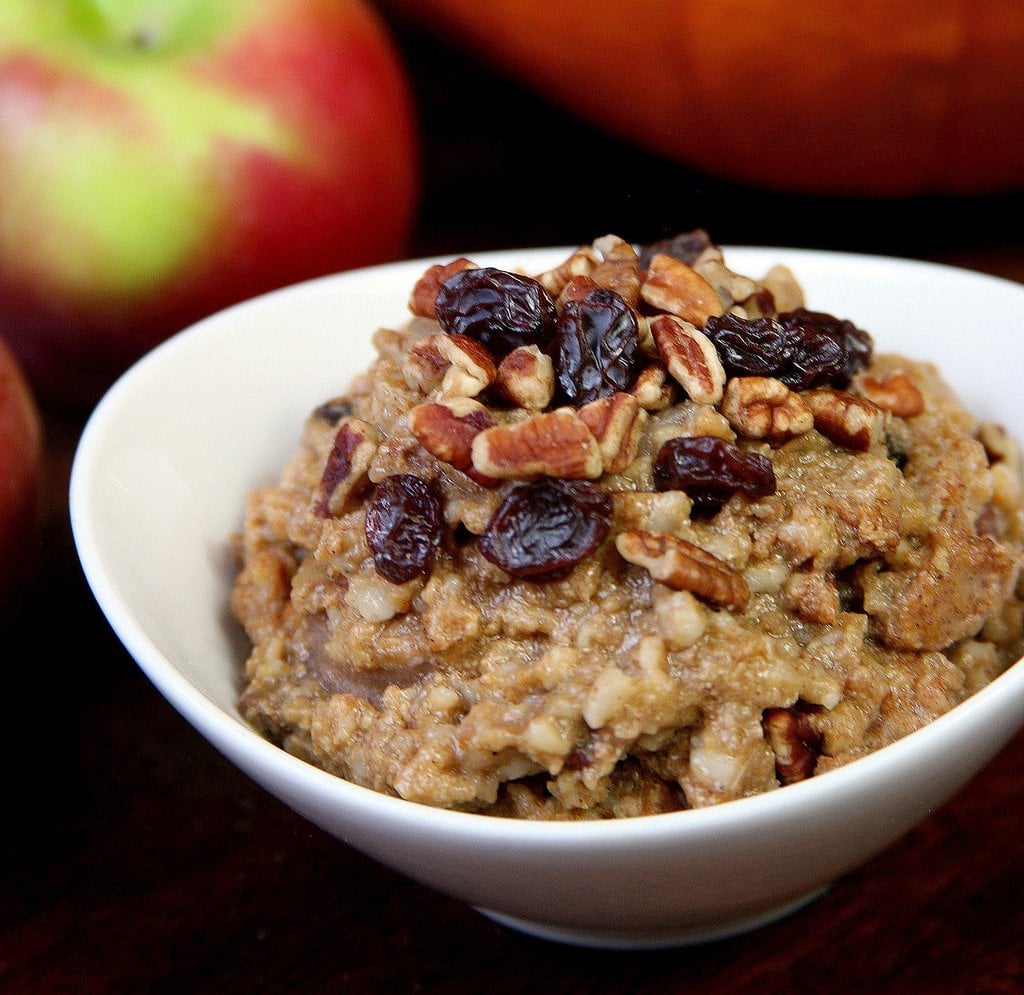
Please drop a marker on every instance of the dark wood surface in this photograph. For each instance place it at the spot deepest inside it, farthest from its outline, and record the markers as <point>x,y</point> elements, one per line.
<point>134,858</point>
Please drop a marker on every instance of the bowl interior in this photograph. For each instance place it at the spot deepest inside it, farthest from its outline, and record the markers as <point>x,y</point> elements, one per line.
<point>165,462</point>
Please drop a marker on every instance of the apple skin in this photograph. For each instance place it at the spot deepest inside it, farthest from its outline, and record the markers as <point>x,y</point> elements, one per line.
<point>162,159</point>
<point>21,481</point>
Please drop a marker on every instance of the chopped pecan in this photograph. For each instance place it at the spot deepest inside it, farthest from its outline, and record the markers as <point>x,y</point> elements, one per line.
<point>853,422</point>
<point>581,263</point>
<point>684,567</point>
<point>651,511</point>
<point>425,367</point>
<point>652,388</point>
<point>619,270</point>
<point>896,394</point>
<point>732,288</point>
<point>576,289</point>
<point>458,365</point>
<point>526,377</point>
<point>447,428</point>
<point>690,356</point>
<point>348,463</point>
<point>672,286</point>
<point>795,742</point>
<point>424,291</point>
<point>555,444</point>
<point>765,408</point>
<point>617,421</point>
<point>787,294</point>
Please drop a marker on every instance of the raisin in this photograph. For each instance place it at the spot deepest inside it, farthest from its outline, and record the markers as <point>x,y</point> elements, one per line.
<point>541,530</point>
<point>801,348</point>
<point>856,344</point>
<point>686,247</point>
<point>711,470</point>
<point>404,526</point>
<point>333,411</point>
<point>500,310</point>
<point>596,348</point>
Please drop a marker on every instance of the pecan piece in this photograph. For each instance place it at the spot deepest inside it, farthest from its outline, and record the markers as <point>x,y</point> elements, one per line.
<point>617,421</point>
<point>526,377</point>
<point>424,291</point>
<point>348,463</point>
<point>458,365</point>
<point>672,286</point>
<point>896,394</point>
<point>853,422</point>
<point>652,388</point>
<point>794,741</point>
<point>691,358</point>
<point>555,444</point>
<point>425,367</point>
<point>684,567</point>
<point>582,262</point>
<point>447,428</point>
<point>765,408</point>
<point>619,270</point>
<point>575,290</point>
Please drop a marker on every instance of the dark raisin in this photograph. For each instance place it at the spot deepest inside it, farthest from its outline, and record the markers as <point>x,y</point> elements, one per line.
<point>543,529</point>
<point>333,411</point>
<point>855,343</point>
<point>686,247</point>
<point>500,310</point>
<point>711,471</point>
<point>801,348</point>
<point>596,349</point>
<point>404,526</point>
<point>896,450</point>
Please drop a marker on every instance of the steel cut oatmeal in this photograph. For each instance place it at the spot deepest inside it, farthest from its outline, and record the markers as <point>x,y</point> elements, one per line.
<point>635,534</point>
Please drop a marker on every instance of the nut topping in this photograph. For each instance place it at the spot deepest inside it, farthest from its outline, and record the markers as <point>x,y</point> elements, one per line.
<point>794,741</point>
<point>471,366</point>
<point>690,356</point>
<point>620,270</point>
<point>526,377</point>
<point>576,289</point>
<point>447,428</point>
<point>581,263</point>
<point>347,466</point>
<point>458,365</point>
<point>617,422</point>
<point>652,388</point>
<point>672,286</point>
<point>853,422</point>
<point>684,567</point>
<point>896,394</point>
<point>555,444</point>
<point>424,291</point>
<point>765,408</point>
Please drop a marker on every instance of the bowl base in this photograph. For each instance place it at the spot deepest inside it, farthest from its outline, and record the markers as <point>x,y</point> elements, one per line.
<point>657,939</point>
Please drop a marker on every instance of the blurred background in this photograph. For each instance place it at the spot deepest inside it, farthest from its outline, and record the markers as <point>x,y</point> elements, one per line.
<point>504,165</point>
<point>149,864</point>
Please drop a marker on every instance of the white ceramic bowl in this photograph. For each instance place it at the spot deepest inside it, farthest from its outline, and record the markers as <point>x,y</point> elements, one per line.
<point>158,486</point>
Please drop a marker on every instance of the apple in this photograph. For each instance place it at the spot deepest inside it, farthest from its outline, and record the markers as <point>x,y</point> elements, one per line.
<point>21,479</point>
<point>161,159</point>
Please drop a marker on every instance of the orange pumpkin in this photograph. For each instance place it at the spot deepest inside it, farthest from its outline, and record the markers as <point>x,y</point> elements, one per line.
<point>870,97</point>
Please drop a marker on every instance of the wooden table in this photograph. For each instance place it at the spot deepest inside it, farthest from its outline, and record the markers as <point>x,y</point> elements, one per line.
<point>133,858</point>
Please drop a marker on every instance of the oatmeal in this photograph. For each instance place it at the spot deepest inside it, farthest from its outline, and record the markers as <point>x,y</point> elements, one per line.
<point>632,535</point>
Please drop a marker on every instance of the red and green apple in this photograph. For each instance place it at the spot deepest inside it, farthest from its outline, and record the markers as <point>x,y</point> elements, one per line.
<point>161,159</point>
<point>21,479</point>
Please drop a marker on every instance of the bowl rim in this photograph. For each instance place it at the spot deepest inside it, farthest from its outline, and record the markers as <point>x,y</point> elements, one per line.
<point>231,731</point>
